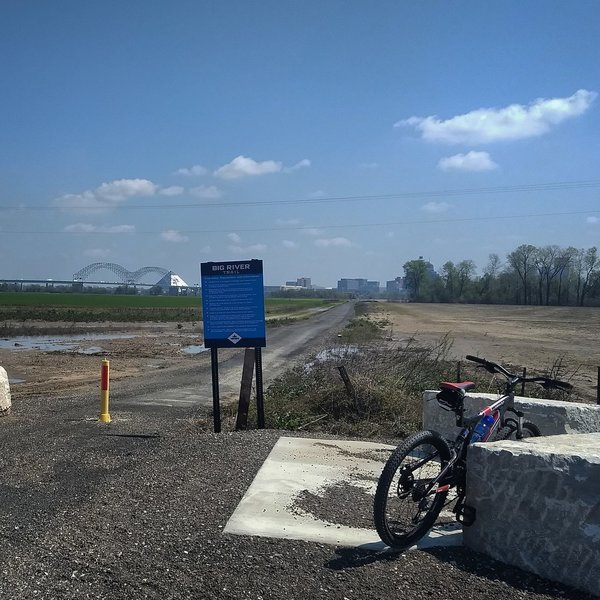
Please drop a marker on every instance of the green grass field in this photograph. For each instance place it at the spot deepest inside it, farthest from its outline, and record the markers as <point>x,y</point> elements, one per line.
<point>23,306</point>
<point>39,299</point>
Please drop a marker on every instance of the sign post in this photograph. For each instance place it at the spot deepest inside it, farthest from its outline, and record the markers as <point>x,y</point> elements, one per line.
<point>233,310</point>
<point>214,369</point>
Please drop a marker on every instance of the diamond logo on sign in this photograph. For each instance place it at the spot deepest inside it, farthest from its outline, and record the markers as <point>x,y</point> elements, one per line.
<point>234,338</point>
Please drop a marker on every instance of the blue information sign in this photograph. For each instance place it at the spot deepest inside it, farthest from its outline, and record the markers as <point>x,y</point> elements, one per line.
<point>233,304</point>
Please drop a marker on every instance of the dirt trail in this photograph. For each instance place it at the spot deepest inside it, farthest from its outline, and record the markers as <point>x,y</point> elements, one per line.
<point>535,337</point>
<point>153,360</point>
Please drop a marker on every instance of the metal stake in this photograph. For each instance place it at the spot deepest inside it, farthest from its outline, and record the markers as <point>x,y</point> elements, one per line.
<point>214,363</point>
<point>260,401</point>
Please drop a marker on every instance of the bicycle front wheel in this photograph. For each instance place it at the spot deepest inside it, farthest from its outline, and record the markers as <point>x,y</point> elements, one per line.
<point>403,510</point>
<point>510,431</point>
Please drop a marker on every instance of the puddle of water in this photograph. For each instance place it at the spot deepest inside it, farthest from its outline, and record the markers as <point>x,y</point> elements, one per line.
<point>58,343</point>
<point>14,381</point>
<point>194,349</point>
<point>333,353</point>
<point>337,353</point>
<point>91,350</point>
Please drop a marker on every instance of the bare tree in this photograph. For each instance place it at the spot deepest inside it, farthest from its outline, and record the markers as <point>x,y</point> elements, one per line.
<point>465,271</point>
<point>521,260</point>
<point>547,267</point>
<point>449,278</point>
<point>590,261</point>
<point>564,261</point>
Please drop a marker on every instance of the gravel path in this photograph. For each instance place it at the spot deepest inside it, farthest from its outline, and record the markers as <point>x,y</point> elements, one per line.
<point>136,510</point>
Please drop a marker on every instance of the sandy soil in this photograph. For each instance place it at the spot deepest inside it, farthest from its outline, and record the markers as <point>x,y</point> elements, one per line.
<point>533,337</point>
<point>154,345</point>
<point>153,352</point>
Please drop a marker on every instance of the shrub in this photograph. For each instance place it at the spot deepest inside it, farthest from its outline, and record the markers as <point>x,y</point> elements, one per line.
<point>387,382</point>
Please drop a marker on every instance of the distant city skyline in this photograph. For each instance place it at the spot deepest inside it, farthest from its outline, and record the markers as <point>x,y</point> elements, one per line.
<point>333,139</point>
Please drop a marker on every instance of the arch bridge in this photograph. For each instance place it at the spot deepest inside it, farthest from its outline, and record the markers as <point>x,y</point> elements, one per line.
<point>124,275</point>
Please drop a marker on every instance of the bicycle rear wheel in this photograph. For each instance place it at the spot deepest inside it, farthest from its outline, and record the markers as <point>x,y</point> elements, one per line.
<point>510,431</point>
<point>402,513</point>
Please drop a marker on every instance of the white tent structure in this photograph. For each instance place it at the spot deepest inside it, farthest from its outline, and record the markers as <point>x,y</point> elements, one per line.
<point>172,284</point>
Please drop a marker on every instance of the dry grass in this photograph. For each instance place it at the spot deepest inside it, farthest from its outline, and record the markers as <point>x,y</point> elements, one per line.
<point>384,396</point>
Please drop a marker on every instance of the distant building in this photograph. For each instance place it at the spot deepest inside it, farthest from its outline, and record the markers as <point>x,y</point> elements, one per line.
<point>429,268</point>
<point>396,289</point>
<point>292,288</point>
<point>395,286</point>
<point>172,284</point>
<point>358,286</point>
<point>301,282</point>
<point>373,287</point>
<point>352,285</point>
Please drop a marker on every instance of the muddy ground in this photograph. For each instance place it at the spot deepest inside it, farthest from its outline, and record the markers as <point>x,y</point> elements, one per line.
<point>151,346</point>
<point>538,338</point>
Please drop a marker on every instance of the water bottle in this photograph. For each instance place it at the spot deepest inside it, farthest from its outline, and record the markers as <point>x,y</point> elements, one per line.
<point>482,428</point>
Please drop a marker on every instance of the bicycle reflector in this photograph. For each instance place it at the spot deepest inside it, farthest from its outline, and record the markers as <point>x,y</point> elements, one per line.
<point>451,399</point>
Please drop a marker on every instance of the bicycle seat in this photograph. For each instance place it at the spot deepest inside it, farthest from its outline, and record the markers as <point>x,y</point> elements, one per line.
<point>462,385</point>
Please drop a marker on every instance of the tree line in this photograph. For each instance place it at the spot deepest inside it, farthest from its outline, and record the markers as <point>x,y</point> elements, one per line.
<point>544,276</point>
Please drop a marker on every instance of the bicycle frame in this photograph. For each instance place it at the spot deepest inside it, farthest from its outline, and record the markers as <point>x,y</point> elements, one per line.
<point>454,473</point>
<point>415,485</point>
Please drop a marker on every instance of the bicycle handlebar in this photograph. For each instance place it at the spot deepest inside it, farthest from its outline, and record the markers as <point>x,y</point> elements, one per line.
<point>545,382</point>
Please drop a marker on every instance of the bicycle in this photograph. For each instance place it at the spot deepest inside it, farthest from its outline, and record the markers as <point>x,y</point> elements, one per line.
<point>424,468</point>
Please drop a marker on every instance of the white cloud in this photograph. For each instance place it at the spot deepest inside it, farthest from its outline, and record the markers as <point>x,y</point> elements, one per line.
<point>471,161</point>
<point>196,170</point>
<point>311,231</point>
<point>514,122</point>
<point>436,207</point>
<point>289,244</point>
<point>390,234</point>
<point>83,201</point>
<point>171,235</point>
<point>337,241</point>
<point>121,189</point>
<point>88,228</point>
<point>593,220</point>
<point>287,221</point>
<point>247,250</point>
<point>318,194</point>
<point>173,190</point>
<point>304,163</point>
<point>235,238</point>
<point>243,166</point>
<point>81,228</point>
<point>97,253</point>
<point>107,195</point>
<point>206,191</point>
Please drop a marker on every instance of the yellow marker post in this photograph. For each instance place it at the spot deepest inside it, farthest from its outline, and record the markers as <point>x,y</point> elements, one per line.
<point>104,386</point>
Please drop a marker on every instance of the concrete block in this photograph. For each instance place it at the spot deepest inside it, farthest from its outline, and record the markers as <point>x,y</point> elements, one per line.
<point>5,402</point>
<point>551,416</point>
<point>537,505</point>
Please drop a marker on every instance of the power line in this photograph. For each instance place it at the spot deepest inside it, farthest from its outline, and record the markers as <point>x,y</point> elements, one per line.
<point>318,227</point>
<point>526,188</point>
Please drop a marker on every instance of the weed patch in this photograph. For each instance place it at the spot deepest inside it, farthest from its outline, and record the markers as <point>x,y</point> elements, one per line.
<point>384,397</point>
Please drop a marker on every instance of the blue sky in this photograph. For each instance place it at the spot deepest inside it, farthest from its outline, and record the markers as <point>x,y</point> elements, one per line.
<point>330,139</point>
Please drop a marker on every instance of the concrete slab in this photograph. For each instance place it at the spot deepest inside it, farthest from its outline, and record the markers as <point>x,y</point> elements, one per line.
<point>545,492</point>
<point>297,467</point>
<point>551,416</point>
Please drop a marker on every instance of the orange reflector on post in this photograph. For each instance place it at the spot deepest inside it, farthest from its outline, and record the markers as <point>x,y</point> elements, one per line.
<point>104,389</point>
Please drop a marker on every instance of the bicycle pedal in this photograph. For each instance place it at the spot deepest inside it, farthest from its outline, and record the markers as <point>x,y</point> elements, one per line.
<point>465,515</point>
